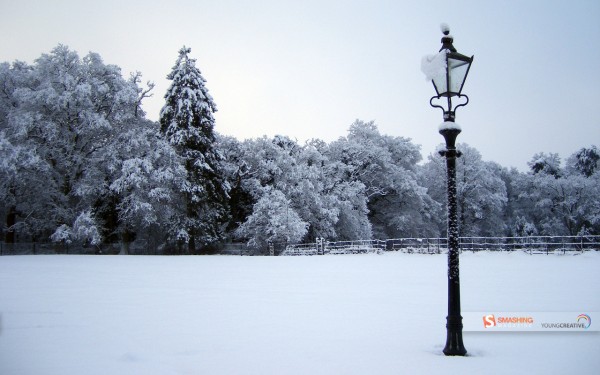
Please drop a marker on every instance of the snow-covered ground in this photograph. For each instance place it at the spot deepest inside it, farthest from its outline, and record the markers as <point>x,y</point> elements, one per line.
<point>355,314</point>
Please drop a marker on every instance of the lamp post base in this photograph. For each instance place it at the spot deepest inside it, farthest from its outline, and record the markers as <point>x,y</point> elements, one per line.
<point>454,342</point>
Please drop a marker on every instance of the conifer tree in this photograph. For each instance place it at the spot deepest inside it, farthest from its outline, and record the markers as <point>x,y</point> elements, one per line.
<point>187,122</point>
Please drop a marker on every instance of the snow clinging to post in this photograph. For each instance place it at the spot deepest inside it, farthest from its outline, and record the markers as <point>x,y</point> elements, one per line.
<point>448,125</point>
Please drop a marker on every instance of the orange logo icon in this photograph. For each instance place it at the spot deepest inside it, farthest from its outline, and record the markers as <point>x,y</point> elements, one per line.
<point>489,321</point>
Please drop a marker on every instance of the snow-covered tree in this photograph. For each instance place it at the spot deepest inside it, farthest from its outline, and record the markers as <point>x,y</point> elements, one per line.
<point>567,202</point>
<point>20,190</point>
<point>79,162</point>
<point>585,161</point>
<point>19,164</point>
<point>524,228</point>
<point>567,205</point>
<point>84,230</point>
<point>273,220</point>
<point>144,175</point>
<point>12,76</point>
<point>386,166</point>
<point>545,163</point>
<point>296,171</point>
<point>314,184</point>
<point>64,112</point>
<point>237,174</point>
<point>352,203</point>
<point>187,121</point>
<point>481,192</point>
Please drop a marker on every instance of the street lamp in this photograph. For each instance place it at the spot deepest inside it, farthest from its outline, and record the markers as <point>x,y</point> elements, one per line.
<point>448,71</point>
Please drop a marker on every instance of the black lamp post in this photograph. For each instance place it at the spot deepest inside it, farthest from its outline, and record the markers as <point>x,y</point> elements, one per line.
<point>448,83</point>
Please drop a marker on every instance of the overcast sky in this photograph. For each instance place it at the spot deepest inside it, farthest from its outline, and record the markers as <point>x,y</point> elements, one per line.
<point>308,69</point>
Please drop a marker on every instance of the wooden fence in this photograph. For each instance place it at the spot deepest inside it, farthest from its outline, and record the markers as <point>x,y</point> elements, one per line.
<point>531,245</point>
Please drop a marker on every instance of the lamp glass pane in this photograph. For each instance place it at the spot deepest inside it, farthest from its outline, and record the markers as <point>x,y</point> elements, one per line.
<point>440,84</point>
<point>457,71</point>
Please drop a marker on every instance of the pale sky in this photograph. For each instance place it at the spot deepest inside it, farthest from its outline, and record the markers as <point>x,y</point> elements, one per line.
<point>309,68</point>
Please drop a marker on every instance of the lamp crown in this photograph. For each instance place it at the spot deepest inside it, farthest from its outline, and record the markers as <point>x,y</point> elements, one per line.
<point>447,39</point>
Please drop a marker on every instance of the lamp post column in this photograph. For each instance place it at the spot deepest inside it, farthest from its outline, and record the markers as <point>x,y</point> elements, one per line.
<point>454,341</point>
<point>448,71</point>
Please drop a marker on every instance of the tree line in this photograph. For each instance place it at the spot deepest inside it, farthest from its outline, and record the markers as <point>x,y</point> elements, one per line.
<point>82,164</point>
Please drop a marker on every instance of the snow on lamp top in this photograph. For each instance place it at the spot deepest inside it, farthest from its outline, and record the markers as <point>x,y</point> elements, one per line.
<point>434,66</point>
<point>445,28</point>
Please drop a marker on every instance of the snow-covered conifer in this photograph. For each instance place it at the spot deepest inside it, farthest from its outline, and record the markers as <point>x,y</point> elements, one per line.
<point>187,122</point>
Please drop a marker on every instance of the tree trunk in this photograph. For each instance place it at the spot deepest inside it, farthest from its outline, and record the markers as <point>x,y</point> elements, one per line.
<point>192,246</point>
<point>124,248</point>
<point>11,220</point>
<point>127,237</point>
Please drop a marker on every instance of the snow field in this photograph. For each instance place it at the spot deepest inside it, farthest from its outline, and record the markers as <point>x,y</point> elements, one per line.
<point>355,314</point>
